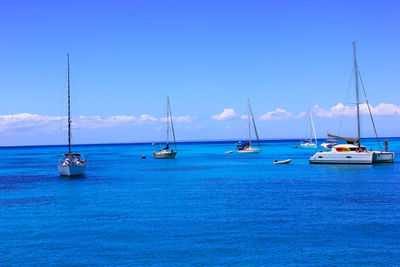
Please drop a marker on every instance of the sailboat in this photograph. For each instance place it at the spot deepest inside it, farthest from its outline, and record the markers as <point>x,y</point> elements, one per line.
<point>71,164</point>
<point>166,153</point>
<point>246,148</point>
<point>309,143</point>
<point>353,152</point>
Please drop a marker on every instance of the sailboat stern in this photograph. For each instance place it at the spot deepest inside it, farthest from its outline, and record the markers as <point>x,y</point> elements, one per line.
<point>72,165</point>
<point>383,157</point>
<point>71,170</point>
<point>169,154</point>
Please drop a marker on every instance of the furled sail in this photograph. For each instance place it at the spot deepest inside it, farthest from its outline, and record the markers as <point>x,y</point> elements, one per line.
<point>349,140</point>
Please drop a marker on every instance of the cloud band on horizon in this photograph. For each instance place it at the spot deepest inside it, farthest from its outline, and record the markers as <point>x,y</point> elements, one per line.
<point>43,123</point>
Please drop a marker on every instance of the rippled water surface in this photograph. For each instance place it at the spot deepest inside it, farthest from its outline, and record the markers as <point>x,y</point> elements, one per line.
<point>205,208</point>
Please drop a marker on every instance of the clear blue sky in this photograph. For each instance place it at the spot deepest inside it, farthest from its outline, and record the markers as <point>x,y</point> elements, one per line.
<point>126,56</point>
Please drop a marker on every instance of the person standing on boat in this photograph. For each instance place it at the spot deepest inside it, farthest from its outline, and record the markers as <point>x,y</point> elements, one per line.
<point>386,145</point>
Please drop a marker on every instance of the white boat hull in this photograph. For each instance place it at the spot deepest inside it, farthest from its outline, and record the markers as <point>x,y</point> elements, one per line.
<point>249,151</point>
<point>342,158</point>
<point>308,145</point>
<point>287,161</point>
<point>71,170</point>
<point>165,155</point>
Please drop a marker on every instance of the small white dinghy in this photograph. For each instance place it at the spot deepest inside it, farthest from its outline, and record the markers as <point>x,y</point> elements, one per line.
<point>286,161</point>
<point>229,152</point>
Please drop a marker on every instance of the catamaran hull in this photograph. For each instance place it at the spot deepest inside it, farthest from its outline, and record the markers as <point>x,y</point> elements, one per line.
<point>71,170</point>
<point>341,158</point>
<point>165,155</point>
<point>383,157</point>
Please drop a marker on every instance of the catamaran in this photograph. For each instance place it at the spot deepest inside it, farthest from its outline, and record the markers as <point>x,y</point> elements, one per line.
<point>71,164</point>
<point>309,143</point>
<point>166,153</point>
<point>353,152</point>
<point>246,148</point>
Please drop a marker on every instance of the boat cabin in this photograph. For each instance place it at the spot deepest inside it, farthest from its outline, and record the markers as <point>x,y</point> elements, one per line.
<point>348,148</point>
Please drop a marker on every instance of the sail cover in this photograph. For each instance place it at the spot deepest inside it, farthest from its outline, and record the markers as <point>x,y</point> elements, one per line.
<point>349,140</point>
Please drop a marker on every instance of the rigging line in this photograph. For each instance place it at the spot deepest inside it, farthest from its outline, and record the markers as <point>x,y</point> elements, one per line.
<point>369,109</point>
<point>248,119</point>
<point>255,128</point>
<point>345,102</point>
<point>172,124</point>
<point>310,123</point>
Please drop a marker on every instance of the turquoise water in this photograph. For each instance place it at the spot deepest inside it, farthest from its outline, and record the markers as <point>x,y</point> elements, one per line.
<point>203,208</point>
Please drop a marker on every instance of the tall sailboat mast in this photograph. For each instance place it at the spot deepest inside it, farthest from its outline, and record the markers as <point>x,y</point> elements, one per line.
<point>248,116</point>
<point>167,119</point>
<point>172,123</point>
<point>357,97</point>
<point>312,125</point>
<point>69,112</point>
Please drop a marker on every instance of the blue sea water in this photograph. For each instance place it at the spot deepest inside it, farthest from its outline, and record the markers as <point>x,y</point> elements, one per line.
<point>203,208</point>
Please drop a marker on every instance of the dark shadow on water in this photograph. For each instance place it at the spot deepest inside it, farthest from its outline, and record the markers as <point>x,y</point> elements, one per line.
<point>71,178</point>
<point>28,201</point>
<point>13,182</point>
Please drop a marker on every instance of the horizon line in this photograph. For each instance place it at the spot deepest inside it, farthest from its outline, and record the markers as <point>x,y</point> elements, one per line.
<point>180,141</point>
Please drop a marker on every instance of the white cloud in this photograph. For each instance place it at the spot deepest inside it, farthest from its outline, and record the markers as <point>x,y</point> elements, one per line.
<point>26,121</point>
<point>39,123</point>
<point>342,110</point>
<point>93,122</point>
<point>146,119</point>
<point>227,114</point>
<point>280,114</point>
<point>181,118</point>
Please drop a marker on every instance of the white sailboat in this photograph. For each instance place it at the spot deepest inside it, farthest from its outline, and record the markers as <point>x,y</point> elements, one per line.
<point>71,164</point>
<point>309,143</point>
<point>166,153</point>
<point>353,152</point>
<point>246,148</point>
